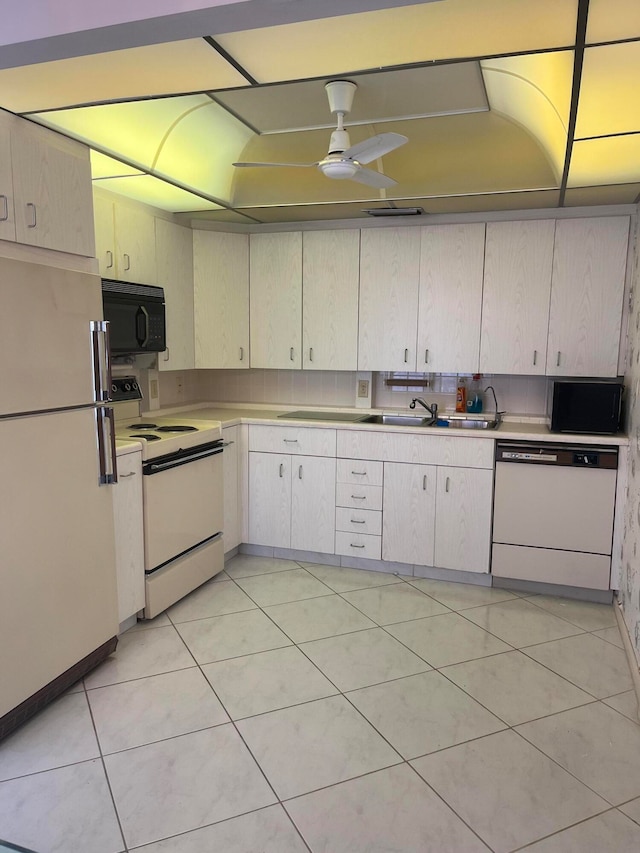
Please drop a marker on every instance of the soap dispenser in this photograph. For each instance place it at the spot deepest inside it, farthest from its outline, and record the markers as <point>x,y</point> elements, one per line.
<point>474,395</point>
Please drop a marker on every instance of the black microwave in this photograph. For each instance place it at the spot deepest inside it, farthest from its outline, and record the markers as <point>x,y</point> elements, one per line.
<point>587,405</point>
<point>136,317</point>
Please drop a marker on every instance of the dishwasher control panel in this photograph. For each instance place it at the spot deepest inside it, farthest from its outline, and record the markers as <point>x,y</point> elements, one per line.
<point>566,455</point>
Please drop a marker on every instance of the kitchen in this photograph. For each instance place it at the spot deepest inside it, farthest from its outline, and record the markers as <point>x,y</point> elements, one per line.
<point>272,387</point>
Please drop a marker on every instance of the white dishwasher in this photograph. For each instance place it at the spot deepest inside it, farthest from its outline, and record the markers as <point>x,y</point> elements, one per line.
<point>553,513</point>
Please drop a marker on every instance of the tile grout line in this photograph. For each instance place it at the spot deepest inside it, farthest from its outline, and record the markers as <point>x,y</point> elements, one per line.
<point>564,829</point>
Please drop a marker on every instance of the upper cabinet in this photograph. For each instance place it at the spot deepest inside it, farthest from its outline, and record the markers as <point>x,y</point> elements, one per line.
<point>276,300</point>
<point>330,275</point>
<point>515,302</point>
<point>221,299</point>
<point>174,255</point>
<point>125,241</point>
<point>450,301</point>
<point>587,290</point>
<point>389,280</point>
<point>45,188</point>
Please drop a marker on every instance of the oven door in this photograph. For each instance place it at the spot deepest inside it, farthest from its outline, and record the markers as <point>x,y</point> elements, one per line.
<point>183,503</point>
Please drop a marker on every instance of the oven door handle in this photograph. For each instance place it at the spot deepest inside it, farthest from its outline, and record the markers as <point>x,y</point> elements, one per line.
<point>150,468</point>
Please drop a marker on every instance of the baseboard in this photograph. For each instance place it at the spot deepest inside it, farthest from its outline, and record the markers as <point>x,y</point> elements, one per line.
<point>597,596</point>
<point>628,648</point>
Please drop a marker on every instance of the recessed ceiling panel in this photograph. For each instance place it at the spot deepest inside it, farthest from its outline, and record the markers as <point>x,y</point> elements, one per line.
<point>613,19</point>
<point>610,90</point>
<point>384,96</point>
<point>416,33</point>
<point>611,160</point>
<point>106,167</point>
<point>161,69</point>
<point>617,194</point>
<point>153,191</point>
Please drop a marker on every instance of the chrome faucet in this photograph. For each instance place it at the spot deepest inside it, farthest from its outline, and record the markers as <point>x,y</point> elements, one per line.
<point>432,409</point>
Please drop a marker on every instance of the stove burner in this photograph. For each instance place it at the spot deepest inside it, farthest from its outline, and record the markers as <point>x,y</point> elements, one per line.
<point>147,437</point>
<point>177,428</point>
<point>142,426</point>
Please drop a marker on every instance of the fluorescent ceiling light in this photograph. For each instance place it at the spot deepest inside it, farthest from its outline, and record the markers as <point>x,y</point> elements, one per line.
<point>158,193</point>
<point>610,160</point>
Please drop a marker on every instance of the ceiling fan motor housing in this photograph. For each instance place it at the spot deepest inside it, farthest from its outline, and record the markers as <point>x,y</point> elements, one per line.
<point>339,142</point>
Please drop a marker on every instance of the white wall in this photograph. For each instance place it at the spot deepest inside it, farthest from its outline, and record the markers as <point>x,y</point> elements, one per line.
<point>630,581</point>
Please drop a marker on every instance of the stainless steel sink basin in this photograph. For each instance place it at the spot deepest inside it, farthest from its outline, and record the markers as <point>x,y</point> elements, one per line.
<point>462,421</point>
<point>398,420</point>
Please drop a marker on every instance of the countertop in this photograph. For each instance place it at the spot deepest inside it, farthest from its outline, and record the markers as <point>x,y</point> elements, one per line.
<point>126,445</point>
<point>232,414</point>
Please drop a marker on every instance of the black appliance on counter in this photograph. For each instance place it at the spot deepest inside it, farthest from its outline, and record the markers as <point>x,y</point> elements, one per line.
<point>586,406</point>
<point>136,317</point>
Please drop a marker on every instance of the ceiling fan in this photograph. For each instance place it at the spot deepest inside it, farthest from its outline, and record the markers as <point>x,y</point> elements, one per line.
<point>343,160</point>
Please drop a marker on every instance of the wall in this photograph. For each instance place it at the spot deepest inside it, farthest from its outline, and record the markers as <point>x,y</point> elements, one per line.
<point>630,581</point>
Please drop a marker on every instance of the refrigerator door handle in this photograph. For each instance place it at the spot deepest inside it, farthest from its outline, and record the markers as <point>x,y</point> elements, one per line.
<point>101,360</point>
<point>107,458</point>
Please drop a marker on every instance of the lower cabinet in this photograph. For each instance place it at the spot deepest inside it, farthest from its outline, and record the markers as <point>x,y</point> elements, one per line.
<point>437,516</point>
<point>231,479</point>
<point>127,514</point>
<point>292,501</point>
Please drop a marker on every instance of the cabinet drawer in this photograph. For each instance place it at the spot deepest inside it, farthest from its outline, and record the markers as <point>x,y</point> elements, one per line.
<point>359,497</point>
<point>359,520</point>
<point>459,451</point>
<point>363,472</point>
<point>358,545</point>
<point>280,439</point>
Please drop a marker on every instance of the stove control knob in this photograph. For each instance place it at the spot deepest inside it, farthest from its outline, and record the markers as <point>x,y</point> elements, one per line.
<point>134,385</point>
<point>114,387</point>
<point>127,387</point>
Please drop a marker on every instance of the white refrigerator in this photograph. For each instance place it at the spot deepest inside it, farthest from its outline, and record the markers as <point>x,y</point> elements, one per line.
<point>58,601</point>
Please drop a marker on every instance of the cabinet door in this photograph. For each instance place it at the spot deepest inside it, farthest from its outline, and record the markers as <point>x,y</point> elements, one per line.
<point>463,519</point>
<point>231,474</point>
<point>270,499</point>
<point>221,284</point>
<point>7,221</point>
<point>313,500</point>
<point>450,305</point>
<point>275,263</point>
<point>408,513</point>
<point>389,278</point>
<point>135,234</point>
<point>175,274</point>
<point>587,289</point>
<point>515,302</point>
<point>330,275</point>
<point>52,190</point>
<point>127,516</point>
<point>103,215</point>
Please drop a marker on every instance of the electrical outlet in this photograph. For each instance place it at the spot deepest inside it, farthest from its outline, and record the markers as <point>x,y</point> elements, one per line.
<point>363,388</point>
<point>153,389</point>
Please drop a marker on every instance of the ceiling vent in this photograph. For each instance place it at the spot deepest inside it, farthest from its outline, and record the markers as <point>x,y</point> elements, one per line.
<point>394,211</point>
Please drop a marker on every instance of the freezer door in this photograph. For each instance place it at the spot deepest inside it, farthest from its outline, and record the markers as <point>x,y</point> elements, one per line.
<point>45,336</point>
<point>57,551</point>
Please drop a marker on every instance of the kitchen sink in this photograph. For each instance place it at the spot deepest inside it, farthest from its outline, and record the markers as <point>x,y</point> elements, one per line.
<point>462,421</point>
<point>398,420</point>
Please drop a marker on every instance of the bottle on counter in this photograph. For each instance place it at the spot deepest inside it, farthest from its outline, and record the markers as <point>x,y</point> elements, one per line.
<point>474,395</point>
<point>461,395</point>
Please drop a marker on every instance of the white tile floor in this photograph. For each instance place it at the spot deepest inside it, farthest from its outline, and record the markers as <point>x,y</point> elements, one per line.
<point>286,708</point>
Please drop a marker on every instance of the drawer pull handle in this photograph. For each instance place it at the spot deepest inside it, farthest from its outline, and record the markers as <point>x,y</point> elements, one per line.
<point>241,353</point>
<point>356,521</point>
<point>424,483</point>
<point>167,355</point>
<point>291,354</point>
<point>281,470</point>
<point>446,485</point>
<point>426,356</point>
<point>290,440</point>
<point>310,353</point>
<point>558,359</point>
<point>406,356</point>
<point>535,356</point>
<point>359,497</point>
<point>356,546</point>
<point>130,474</point>
<point>300,472</point>
<point>360,473</point>
<point>34,219</point>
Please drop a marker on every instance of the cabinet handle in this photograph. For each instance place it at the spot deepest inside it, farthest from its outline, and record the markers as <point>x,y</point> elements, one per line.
<point>558,359</point>
<point>290,440</point>
<point>34,219</point>
<point>406,356</point>
<point>535,356</point>
<point>5,208</point>
<point>360,473</point>
<point>355,546</point>
<point>356,521</point>
<point>241,353</point>
<point>128,262</point>
<point>300,472</point>
<point>166,354</point>
<point>359,497</point>
<point>291,354</point>
<point>446,485</point>
<point>110,259</point>
<point>281,469</point>
<point>426,356</point>
<point>124,476</point>
<point>424,483</point>
<point>310,353</point>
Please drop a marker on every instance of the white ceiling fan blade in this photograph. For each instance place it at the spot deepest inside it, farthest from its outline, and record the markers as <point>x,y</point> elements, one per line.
<point>376,146</point>
<point>373,179</point>
<point>292,165</point>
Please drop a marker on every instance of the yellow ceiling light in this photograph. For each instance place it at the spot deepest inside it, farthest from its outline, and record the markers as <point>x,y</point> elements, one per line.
<point>153,191</point>
<point>159,69</point>
<point>609,94</point>
<point>616,194</point>
<point>613,19</point>
<point>401,35</point>
<point>106,167</point>
<point>534,91</point>
<point>609,160</point>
